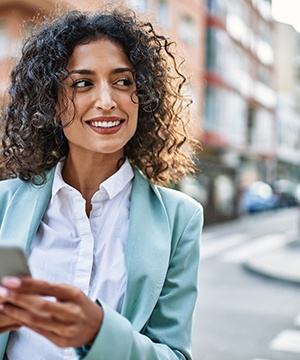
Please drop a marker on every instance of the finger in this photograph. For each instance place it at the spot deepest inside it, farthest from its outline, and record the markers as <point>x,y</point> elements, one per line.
<point>7,321</point>
<point>11,282</point>
<point>67,312</point>
<point>31,320</point>
<point>3,293</point>
<point>82,331</point>
<point>58,339</point>
<point>25,284</point>
<point>9,328</point>
<point>43,288</point>
<point>8,324</point>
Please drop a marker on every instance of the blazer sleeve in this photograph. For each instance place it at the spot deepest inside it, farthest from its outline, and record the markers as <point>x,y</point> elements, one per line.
<point>167,334</point>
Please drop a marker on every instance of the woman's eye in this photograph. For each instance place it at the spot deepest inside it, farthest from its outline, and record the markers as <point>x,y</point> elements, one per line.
<point>124,82</point>
<point>81,83</point>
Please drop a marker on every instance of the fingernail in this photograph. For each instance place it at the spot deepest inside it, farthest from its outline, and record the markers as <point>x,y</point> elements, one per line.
<point>3,291</point>
<point>11,281</point>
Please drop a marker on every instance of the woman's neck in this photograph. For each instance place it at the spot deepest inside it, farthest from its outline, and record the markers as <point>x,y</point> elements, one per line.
<point>86,173</point>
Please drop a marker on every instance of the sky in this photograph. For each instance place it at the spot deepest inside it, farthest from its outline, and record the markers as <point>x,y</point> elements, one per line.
<point>287,11</point>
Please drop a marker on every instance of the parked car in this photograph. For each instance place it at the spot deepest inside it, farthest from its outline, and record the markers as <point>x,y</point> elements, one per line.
<point>258,196</point>
<point>287,193</point>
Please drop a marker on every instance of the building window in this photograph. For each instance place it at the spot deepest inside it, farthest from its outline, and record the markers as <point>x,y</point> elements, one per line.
<point>250,126</point>
<point>210,110</point>
<point>163,13</point>
<point>239,8</point>
<point>298,43</point>
<point>264,7</point>
<point>3,41</point>
<point>138,5</point>
<point>217,8</point>
<point>265,75</point>
<point>187,30</point>
<point>225,110</point>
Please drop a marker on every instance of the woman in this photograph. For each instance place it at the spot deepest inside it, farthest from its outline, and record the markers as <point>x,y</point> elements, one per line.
<point>95,119</point>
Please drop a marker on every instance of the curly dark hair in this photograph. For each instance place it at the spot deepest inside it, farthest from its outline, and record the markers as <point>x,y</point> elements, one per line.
<point>33,141</point>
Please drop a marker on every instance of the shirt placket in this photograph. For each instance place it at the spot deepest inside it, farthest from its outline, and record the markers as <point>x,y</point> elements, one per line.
<point>83,271</point>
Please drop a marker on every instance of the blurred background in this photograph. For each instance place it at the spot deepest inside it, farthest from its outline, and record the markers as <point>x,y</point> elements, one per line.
<point>243,66</point>
<point>244,79</point>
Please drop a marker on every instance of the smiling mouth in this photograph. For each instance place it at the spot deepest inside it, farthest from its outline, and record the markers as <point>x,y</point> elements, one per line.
<point>105,124</point>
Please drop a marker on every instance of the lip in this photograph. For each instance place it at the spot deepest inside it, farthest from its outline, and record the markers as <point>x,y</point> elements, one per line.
<point>106,119</point>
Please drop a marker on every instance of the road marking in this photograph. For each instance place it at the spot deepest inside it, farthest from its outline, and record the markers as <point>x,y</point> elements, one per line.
<point>287,340</point>
<point>254,247</point>
<point>297,320</point>
<point>213,247</point>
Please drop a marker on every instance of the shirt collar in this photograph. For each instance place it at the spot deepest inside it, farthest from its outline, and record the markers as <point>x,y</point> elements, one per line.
<point>112,186</point>
<point>58,181</point>
<point>117,182</point>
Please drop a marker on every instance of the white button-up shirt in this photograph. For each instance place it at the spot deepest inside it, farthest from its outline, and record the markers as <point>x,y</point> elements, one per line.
<point>73,249</point>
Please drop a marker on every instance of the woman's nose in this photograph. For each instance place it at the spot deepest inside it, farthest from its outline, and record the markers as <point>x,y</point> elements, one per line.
<point>104,98</point>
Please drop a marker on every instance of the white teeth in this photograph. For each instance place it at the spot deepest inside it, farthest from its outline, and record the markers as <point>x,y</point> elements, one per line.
<point>105,124</point>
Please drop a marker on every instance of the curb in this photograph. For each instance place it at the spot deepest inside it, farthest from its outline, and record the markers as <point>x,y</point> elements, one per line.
<point>283,264</point>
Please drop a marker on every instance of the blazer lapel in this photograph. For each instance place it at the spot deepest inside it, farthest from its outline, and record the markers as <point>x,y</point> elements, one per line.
<point>147,251</point>
<point>24,214</point>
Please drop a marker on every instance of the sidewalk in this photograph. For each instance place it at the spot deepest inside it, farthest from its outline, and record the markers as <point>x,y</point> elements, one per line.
<point>283,263</point>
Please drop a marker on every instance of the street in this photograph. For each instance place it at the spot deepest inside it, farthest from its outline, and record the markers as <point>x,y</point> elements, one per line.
<point>240,314</point>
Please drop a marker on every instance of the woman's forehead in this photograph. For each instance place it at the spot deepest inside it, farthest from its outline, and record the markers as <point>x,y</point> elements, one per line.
<point>100,51</point>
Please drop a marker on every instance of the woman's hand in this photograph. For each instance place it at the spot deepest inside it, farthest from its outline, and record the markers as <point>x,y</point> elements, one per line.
<point>72,320</point>
<point>8,324</point>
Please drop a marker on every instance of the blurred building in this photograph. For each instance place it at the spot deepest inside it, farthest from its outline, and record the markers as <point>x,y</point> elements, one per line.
<point>184,21</point>
<point>239,122</point>
<point>16,19</point>
<point>287,86</point>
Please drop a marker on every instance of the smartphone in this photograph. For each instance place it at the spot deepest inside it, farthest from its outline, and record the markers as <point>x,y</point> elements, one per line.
<point>13,262</point>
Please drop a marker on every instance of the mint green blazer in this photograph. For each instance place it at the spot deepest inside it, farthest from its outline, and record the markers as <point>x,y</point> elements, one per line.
<point>161,256</point>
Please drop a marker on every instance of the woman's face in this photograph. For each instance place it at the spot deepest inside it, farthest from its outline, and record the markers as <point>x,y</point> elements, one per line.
<point>102,84</point>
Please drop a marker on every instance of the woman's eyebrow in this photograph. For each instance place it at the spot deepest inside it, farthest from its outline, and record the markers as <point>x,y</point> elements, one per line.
<point>91,72</point>
<point>122,70</point>
<point>82,72</point>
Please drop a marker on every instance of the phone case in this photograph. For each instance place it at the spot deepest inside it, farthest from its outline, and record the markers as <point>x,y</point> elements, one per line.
<point>13,262</point>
